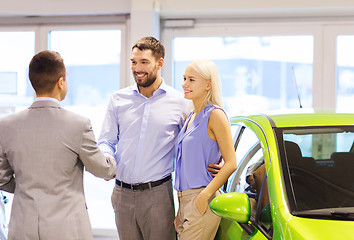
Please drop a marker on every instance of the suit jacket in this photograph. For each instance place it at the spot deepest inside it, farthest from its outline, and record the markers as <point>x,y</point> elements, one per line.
<point>43,151</point>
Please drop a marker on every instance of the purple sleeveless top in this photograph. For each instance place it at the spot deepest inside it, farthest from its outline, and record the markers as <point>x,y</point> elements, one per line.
<point>194,152</point>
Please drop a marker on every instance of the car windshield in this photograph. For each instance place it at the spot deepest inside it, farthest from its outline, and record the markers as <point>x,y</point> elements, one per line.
<point>318,164</point>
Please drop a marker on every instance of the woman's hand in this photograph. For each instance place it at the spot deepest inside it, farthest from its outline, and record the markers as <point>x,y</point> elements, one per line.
<point>201,203</point>
<point>175,223</point>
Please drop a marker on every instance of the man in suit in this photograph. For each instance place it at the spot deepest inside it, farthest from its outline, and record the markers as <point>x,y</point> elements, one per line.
<point>43,151</point>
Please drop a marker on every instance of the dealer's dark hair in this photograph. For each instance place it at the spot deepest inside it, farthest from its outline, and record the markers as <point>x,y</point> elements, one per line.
<point>45,69</point>
<point>158,50</point>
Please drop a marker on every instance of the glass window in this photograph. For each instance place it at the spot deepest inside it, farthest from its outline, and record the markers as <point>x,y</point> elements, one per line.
<point>16,92</point>
<point>249,178</point>
<point>257,72</point>
<point>345,73</point>
<point>247,142</point>
<point>247,150</point>
<point>320,162</point>
<point>92,58</point>
<point>16,51</point>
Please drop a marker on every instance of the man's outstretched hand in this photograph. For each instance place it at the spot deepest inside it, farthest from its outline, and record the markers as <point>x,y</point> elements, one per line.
<point>110,158</point>
<point>215,168</point>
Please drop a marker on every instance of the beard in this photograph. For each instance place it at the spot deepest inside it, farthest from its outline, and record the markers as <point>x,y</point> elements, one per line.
<point>150,79</point>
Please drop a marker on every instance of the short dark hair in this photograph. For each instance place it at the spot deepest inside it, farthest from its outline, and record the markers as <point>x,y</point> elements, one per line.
<point>45,69</point>
<point>145,43</point>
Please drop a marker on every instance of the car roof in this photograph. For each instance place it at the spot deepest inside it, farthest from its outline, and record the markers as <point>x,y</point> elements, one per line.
<point>301,119</point>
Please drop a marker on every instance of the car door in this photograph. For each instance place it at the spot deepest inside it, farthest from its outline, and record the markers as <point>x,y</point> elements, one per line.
<point>249,178</point>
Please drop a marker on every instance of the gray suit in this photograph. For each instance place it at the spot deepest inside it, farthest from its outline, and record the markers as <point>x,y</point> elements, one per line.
<point>45,148</point>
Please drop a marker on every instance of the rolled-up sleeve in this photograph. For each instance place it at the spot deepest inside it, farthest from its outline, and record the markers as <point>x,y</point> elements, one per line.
<point>109,135</point>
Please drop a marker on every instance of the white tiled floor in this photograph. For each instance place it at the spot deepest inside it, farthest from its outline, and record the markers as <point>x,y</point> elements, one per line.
<point>105,234</point>
<point>104,238</point>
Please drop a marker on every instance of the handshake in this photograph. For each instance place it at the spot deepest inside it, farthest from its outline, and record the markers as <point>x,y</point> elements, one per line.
<point>109,159</point>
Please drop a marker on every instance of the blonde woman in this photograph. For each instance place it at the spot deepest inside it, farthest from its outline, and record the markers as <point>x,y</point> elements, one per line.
<point>205,137</point>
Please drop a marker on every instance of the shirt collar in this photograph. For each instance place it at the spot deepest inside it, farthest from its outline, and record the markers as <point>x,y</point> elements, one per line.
<point>47,99</point>
<point>161,89</point>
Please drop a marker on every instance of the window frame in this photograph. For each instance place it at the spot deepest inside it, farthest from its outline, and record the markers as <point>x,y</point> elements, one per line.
<point>42,26</point>
<point>237,29</point>
<point>42,29</point>
<point>324,31</point>
<point>330,34</point>
<point>247,157</point>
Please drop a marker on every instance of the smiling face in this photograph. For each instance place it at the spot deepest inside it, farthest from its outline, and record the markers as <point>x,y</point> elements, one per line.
<point>145,67</point>
<point>194,85</point>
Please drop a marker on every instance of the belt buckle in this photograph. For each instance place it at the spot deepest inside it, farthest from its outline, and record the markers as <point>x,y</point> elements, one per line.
<point>135,187</point>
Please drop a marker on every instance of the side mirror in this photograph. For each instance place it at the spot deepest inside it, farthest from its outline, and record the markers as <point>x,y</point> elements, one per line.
<point>232,206</point>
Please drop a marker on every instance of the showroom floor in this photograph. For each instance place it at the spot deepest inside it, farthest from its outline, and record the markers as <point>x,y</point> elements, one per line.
<point>99,234</point>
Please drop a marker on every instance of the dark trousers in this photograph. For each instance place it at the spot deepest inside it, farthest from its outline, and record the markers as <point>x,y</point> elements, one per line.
<point>145,215</point>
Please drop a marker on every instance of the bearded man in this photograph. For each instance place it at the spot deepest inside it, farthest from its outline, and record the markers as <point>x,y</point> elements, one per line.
<point>139,129</point>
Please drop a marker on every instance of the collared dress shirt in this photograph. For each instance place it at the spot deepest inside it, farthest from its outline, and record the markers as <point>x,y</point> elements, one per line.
<point>140,132</point>
<point>47,99</point>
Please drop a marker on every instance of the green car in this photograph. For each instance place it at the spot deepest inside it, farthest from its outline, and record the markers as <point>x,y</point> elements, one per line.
<point>295,178</point>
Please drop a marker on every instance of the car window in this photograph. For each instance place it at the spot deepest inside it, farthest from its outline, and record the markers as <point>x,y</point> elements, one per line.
<point>319,162</point>
<point>236,131</point>
<point>244,139</point>
<point>249,176</point>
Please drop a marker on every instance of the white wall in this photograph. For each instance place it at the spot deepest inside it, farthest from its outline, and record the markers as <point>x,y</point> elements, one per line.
<point>261,8</point>
<point>180,8</point>
<point>63,7</point>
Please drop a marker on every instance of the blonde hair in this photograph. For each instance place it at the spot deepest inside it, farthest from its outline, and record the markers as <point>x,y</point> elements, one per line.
<point>209,71</point>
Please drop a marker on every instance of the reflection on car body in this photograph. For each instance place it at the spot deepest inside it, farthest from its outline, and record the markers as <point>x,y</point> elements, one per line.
<point>294,178</point>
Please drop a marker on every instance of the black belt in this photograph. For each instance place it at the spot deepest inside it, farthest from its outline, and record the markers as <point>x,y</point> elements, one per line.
<point>143,186</point>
